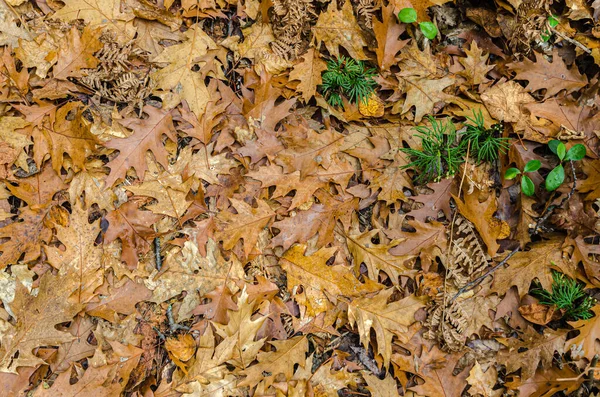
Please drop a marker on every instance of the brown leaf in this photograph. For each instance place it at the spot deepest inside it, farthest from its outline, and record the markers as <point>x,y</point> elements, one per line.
<point>147,135</point>
<point>475,65</point>
<point>76,53</point>
<point>552,76</point>
<point>308,72</point>
<point>423,94</point>
<point>537,313</point>
<point>181,347</point>
<point>387,34</point>
<point>25,236</point>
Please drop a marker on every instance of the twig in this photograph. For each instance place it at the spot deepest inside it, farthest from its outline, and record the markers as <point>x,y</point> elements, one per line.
<point>157,256</point>
<point>551,208</point>
<point>173,326</point>
<point>469,286</point>
<point>570,40</point>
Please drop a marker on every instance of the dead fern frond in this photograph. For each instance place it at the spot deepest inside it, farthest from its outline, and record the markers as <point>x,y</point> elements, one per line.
<point>291,25</point>
<point>366,9</point>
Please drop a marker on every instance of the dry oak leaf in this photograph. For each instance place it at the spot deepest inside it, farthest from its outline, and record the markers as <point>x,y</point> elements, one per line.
<point>10,33</point>
<point>428,241</point>
<point>134,228</point>
<point>565,116</point>
<point>25,235</point>
<point>81,258</point>
<point>36,318</point>
<point>523,267</point>
<point>319,218</point>
<point>289,353</point>
<point>38,189</point>
<point>239,334</point>
<point>18,141</point>
<point>420,6</point>
<point>70,134</point>
<point>99,14</point>
<point>339,27</point>
<point>273,175</point>
<point>208,166</point>
<point>220,302</point>
<point>386,387</point>
<point>376,257</point>
<point>90,183</point>
<point>548,382</point>
<point>257,47</point>
<point>308,71</point>
<point>319,280</point>
<point>387,34</point>
<point>147,135</point>
<point>262,108</point>
<point>482,382</point>
<point>539,350</point>
<point>423,94</point>
<point>437,369</point>
<point>416,63</point>
<point>178,75</point>
<point>202,128</point>
<point>77,52</point>
<point>591,185</point>
<point>245,224</point>
<point>504,102</point>
<point>435,202</point>
<point>181,348</point>
<point>589,332</point>
<point>112,301</point>
<point>96,381</point>
<point>552,76</point>
<point>475,65</point>
<point>481,214</point>
<point>385,319</point>
<point>33,53</point>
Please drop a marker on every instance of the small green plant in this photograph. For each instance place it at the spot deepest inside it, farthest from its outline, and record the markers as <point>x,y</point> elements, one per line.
<point>486,143</point>
<point>441,155</point>
<point>552,22</point>
<point>557,176</point>
<point>409,15</point>
<point>568,296</point>
<point>527,186</point>
<point>348,77</point>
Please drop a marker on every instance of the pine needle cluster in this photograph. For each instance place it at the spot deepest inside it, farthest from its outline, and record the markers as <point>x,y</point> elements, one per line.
<point>568,296</point>
<point>444,150</point>
<point>348,77</point>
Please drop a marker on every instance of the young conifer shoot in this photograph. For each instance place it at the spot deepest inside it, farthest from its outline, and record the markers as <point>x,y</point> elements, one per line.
<point>350,78</point>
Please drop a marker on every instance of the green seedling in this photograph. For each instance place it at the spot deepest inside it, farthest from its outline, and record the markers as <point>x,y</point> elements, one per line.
<point>409,15</point>
<point>350,78</point>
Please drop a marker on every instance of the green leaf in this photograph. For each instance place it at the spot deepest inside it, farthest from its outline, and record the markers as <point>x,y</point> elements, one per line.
<point>511,173</point>
<point>577,152</point>
<point>553,145</point>
<point>532,165</point>
<point>407,15</point>
<point>553,21</point>
<point>555,178</point>
<point>561,151</point>
<point>527,186</point>
<point>429,30</point>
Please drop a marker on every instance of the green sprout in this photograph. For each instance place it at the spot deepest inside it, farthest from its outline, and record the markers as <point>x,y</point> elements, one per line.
<point>348,77</point>
<point>552,22</point>
<point>441,155</point>
<point>486,143</point>
<point>568,296</point>
<point>409,15</point>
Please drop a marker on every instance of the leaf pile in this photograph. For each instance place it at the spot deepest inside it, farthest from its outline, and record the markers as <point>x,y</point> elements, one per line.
<point>183,213</point>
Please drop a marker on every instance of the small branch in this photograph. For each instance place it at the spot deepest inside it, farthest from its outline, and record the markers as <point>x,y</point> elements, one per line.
<point>551,208</point>
<point>173,326</point>
<point>157,256</point>
<point>469,286</point>
<point>569,40</point>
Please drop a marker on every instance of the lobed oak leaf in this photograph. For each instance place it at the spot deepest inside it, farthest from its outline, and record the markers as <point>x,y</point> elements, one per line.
<point>10,32</point>
<point>591,185</point>
<point>99,13</point>
<point>589,333</point>
<point>475,65</point>
<point>320,281</point>
<point>385,319</point>
<point>33,53</point>
<point>319,218</point>
<point>208,166</point>
<point>428,241</point>
<point>385,387</point>
<point>134,228</point>
<point>202,127</point>
<point>482,382</point>
<point>178,75</point>
<point>553,76</point>
<point>25,237</point>
<point>147,135</point>
<point>416,63</point>
<point>113,300</point>
<point>11,135</point>
<point>81,258</point>
<point>567,118</point>
<point>376,257</point>
<point>423,94</point>
<point>77,52</point>
<point>38,190</point>
<point>437,370</point>
<point>387,34</point>
<point>36,318</point>
<point>220,303</point>
<point>308,72</point>
<point>245,224</point>
<point>523,267</point>
<point>548,382</point>
<point>95,381</point>
<point>257,47</point>
<point>339,28</point>
<point>263,110</point>
<point>534,350</point>
<point>90,183</point>
<point>290,352</point>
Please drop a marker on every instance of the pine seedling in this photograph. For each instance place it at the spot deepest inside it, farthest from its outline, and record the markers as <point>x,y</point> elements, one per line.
<point>486,143</point>
<point>568,296</point>
<point>348,77</point>
<point>441,155</point>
